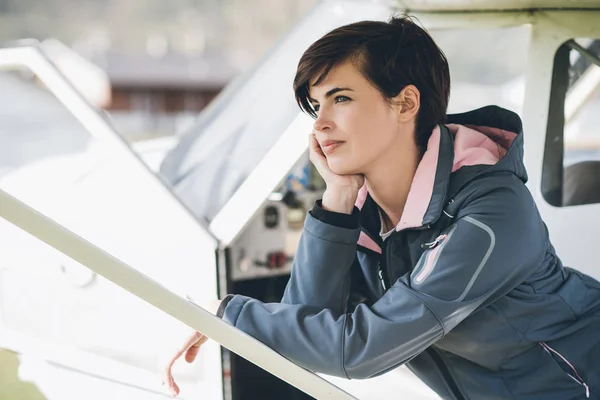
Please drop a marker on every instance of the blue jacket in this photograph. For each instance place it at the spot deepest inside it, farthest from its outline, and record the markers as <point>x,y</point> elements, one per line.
<point>468,291</point>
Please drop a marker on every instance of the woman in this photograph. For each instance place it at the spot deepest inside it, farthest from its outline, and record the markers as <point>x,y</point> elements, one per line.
<point>427,249</point>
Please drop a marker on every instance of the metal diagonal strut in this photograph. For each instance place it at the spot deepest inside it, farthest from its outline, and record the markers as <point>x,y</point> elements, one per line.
<point>140,285</point>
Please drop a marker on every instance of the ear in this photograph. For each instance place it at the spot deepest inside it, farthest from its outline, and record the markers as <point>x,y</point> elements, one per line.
<point>409,102</point>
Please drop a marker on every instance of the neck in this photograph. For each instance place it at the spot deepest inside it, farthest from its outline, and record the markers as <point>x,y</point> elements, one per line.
<point>389,181</point>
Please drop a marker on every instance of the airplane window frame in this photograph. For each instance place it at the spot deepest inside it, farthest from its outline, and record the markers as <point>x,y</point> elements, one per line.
<point>553,164</point>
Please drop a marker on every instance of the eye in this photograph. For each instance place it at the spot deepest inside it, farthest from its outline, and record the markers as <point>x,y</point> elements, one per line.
<point>342,99</point>
<point>316,107</point>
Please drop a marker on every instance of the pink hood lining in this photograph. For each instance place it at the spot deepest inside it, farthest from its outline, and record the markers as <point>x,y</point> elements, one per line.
<point>473,145</point>
<point>365,241</point>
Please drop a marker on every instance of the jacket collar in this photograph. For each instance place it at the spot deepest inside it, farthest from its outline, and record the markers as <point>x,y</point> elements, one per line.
<point>427,196</point>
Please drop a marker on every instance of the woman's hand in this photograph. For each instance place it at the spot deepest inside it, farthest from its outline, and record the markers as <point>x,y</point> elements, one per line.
<point>190,347</point>
<point>342,190</point>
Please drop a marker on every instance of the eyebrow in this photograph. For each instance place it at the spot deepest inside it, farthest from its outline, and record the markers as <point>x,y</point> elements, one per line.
<point>331,93</point>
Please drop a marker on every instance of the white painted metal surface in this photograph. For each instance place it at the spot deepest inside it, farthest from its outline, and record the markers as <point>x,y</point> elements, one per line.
<point>152,292</point>
<point>242,206</point>
<point>108,196</point>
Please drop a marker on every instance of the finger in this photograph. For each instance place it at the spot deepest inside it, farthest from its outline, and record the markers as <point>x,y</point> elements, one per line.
<point>192,352</point>
<point>314,145</point>
<point>173,387</point>
<point>316,154</point>
<point>167,376</point>
<point>192,339</point>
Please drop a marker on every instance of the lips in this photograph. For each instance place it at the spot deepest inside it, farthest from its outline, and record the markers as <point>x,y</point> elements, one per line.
<point>328,146</point>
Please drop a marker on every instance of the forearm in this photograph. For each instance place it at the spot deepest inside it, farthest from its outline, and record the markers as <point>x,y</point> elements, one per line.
<point>358,345</point>
<point>320,275</point>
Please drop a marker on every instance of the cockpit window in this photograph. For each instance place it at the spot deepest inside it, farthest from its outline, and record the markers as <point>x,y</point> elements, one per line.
<point>571,168</point>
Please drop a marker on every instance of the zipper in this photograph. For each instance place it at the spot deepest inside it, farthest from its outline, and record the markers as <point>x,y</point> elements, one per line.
<point>577,378</point>
<point>383,273</point>
<point>431,245</point>
<point>425,267</point>
<point>380,274</point>
<point>437,358</point>
<point>445,371</point>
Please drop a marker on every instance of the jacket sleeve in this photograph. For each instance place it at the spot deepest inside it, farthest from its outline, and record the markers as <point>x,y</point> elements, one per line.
<point>325,253</point>
<point>496,242</point>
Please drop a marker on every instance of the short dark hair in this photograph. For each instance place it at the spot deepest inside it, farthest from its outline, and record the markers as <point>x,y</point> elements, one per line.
<point>391,55</point>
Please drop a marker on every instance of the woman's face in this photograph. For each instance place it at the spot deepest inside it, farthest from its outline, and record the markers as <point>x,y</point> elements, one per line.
<point>356,126</point>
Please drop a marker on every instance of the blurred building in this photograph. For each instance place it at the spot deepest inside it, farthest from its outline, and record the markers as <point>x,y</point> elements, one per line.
<point>172,83</point>
<point>165,61</point>
<point>157,96</point>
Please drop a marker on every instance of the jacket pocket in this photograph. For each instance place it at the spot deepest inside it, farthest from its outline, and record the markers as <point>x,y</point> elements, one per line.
<point>567,367</point>
<point>432,254</point>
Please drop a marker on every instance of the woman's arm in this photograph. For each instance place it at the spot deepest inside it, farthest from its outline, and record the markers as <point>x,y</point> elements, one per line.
<point>320,275</point>
<point>327,249</point>
<point>497,241</point>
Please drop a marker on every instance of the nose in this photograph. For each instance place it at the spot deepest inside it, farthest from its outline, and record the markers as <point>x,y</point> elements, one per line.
<point>323,123</point>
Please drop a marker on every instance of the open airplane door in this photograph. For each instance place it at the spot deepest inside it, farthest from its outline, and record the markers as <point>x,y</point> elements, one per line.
<point>77,334</point>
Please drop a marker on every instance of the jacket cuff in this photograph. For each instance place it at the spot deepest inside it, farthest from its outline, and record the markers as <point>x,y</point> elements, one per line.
<point>348,221</point>
<point>224,302</point>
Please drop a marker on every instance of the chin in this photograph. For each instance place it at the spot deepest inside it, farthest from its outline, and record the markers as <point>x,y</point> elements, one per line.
<point>340,167</point>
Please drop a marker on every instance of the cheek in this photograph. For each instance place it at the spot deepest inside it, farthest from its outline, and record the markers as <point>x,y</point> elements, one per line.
<point>364,145</point>
<point>371,133</point>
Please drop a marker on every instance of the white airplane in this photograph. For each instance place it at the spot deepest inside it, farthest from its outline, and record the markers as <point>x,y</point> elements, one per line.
<point>219,209</point>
